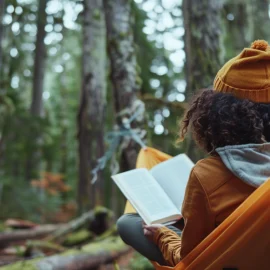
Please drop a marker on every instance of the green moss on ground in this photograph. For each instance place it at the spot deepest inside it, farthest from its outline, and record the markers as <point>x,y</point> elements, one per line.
<point>111,244</point>
<point>77,238</point>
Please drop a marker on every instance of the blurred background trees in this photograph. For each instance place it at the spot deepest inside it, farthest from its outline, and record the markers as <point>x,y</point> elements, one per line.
<point>91,114</point>
<point>73,71</point>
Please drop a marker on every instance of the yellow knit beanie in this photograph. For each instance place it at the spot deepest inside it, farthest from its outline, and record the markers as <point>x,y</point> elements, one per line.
<point>248,74</point>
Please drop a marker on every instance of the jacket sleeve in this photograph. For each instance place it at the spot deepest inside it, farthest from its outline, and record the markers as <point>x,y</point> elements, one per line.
<point>169,244</point>
<point>199,222</point>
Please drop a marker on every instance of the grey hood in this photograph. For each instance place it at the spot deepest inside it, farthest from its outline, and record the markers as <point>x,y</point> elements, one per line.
<point>250,162</point>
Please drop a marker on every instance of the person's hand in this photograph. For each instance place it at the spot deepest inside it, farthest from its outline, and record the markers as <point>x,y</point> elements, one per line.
<point>150,230</point>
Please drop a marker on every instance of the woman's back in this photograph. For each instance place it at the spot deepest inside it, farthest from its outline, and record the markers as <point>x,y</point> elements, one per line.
<point>213,193</point>
<point>223,190</point>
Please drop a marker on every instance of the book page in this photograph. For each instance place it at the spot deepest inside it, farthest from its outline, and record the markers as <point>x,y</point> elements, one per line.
<point>173,175</point>
<point>145,194</point>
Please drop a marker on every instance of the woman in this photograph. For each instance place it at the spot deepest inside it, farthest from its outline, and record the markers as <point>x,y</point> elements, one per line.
<point>232,124</point>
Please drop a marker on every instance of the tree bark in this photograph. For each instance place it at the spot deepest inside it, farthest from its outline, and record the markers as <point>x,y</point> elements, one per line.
<point>88,257</point>
<point>98,215</point>
<point>94,220</point>
<point>125,82</point>
<point>2,12</point>
<point>39,64</point>
<point>33,161</point>
<point>124,77</point>
<point>202,47</point>
<point>92,105</point>
<point>19,235</point>
<point>260,17</point>
<point>237,27</point>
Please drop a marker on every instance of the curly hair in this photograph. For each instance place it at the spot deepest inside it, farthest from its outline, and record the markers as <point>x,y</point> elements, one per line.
<point>218,119</point>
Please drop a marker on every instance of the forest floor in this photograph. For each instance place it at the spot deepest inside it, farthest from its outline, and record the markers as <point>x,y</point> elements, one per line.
<point>87,241</point>
<point>123,262</point>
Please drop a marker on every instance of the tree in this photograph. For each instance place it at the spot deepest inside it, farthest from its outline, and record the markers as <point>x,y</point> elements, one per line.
<point>124,77</point>
<point>238,26</point>
<point>2,8</point>
<point>125,81</point>
<point>202,47</point>
<point>36,109</point>
<point>39,63</point>
<point>260,16</point>
<point>93,100</point>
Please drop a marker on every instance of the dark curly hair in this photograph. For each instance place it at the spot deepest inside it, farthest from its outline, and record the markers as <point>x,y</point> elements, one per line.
<point>218,119</point>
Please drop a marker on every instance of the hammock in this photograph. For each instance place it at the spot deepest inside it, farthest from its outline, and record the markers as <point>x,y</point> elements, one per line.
<point>241,242</point>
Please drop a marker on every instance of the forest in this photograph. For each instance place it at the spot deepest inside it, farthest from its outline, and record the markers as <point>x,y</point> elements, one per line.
<point>84,85</point>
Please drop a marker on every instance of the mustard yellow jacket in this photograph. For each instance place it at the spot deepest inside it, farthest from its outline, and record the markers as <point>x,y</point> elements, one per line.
<point>213,193</point>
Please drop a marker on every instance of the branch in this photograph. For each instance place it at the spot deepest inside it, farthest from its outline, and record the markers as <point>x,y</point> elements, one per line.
<point>151,100</point>
<point>88,257</point>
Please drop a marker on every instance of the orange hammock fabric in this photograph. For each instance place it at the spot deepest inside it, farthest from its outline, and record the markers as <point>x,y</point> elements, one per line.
<point>242,241</point>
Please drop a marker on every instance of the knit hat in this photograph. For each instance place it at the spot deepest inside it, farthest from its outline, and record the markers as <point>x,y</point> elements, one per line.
<point>248,74</point>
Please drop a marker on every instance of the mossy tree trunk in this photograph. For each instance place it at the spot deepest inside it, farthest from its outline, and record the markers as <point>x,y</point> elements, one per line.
<point>89,256</point>
<point>202,47</point>
<point>92,104</point>
<point>124,76</point>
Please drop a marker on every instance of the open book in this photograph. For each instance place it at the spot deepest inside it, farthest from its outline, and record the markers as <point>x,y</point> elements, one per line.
<point>158,194</point>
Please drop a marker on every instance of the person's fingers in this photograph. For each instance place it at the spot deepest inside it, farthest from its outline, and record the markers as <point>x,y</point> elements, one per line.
<point>147,233</point>
<point>150,228</point>
<point>147,230</point>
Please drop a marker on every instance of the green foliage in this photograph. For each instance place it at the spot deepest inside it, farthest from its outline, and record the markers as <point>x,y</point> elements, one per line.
<point>138,262</point>
<point>19,145</point>
<point>20,200</point>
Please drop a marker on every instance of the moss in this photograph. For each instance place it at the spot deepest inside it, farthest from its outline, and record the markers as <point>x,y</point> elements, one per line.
<point>100,209</point>
<point>138,81</point>
<point>2,227</point>
<point>123,34</point>
<point>78,238</point>
<point>111,244</point>
<point>97,14</point>
<point>103,210</point>
<point>139,262</point>
<point>23,265</point>
<point>44,245</point>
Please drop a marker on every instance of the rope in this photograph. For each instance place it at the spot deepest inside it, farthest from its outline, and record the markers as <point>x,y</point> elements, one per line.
<point>114,138</point>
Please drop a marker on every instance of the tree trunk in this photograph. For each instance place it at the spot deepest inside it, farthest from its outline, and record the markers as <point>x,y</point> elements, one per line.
<point>124,75</point>
<point>202,47</point>
<point>238,27</point>
<point>92,105</point>
<point>2,12</point>
<point>39,64</point>
<point>260,17</point>
<point>20,235</point>
<point>88,257</point>
<point>32,167</point>
<point>124,79</point>
<point>95,220</point>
